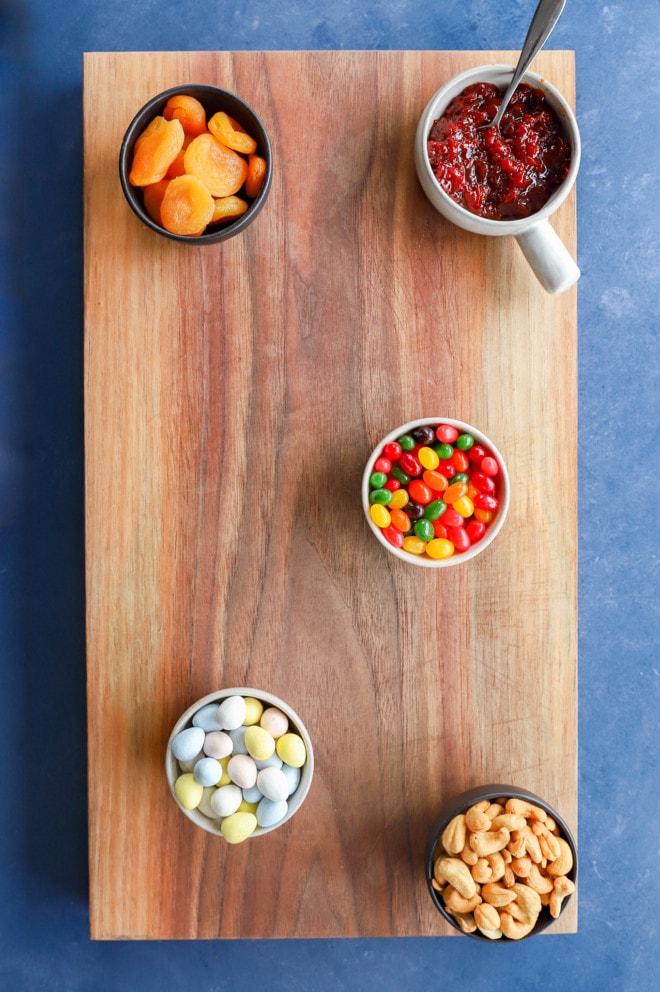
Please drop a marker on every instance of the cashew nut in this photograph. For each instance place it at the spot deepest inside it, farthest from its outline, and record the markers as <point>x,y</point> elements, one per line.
<point>454,834</point>
<point>497,895</point>
<point>514,929</point>
<point>512,821</point>
<point>540,883</point>
<point>477,819</point>
<point>465,921</point>
<point>486,842</point>
<point>563,864</point>
<point>457,873</point>
<point>458,903</point>
<point>563,887</point>
<point>522,866</point>
<point>482,871</point>
<point>486,917</point>
<point>526,809</point>
<point>497,866</point>
<point>528,900</point>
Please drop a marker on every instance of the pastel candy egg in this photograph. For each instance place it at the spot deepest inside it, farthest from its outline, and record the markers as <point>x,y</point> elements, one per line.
<point>231,712</point>
<point>207,718</point>
<point>253,710</point>
<point>292,775</point>
<point>188,766</point>
<point>237,737</point>
<point>242,770</point>
<point>218,744</point>
<point>208,771</point>
<point>238,827</point>
<point>269,813</point>
<point>204,805</point>
<point>275,721</point>
<point>226,800</point>
<point>225,780</point>
<point>273,784</point>
<point>188,790</point>
<point>291,749</point>
<point>273,762</point>
<point>188,743</point>
<point>253,795</point>
<point>247,807</point>
<point>259,743</point>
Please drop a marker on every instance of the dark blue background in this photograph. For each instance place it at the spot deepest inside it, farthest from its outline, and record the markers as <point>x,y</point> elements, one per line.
<point>43,903</point>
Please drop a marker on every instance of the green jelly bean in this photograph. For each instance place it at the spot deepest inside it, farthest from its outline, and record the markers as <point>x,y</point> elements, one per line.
<point>464,442</point>
<point>400,476</point>
<point>382,496</point>
<point>377,480</point>
<point>434,509</point>
<point>444,451</point>
<point>460,477</point>
<point>424,530</point>
<point>407,442</point>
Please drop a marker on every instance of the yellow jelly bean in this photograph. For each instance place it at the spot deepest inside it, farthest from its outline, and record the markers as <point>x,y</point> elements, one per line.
<point>188,791</point>
<point>413,545</point>
<point>399,499</point>
<point>464,506</point>
<point>259,743</point>
<point>253,710</point>
<point>428,458</point>
<point>439,547</point>
<point>485,516</point>
<point>380,515</point>
<point>238,827</point>
<point>291,749</point>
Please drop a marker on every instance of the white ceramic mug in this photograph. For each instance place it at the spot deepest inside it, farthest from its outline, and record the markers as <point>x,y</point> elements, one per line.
<point>547,255</point>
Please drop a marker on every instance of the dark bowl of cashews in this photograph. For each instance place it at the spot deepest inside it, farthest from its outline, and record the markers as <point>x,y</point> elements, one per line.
<point>501,863</point>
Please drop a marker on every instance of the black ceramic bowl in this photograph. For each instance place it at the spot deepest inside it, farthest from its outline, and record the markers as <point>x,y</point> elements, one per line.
<point>460,804</point>
<point>213,99</point>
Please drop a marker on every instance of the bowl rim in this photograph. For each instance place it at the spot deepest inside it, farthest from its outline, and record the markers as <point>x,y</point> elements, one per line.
<point>436,106</point>
<point>457,804</point>
<point>307,771</point>
<point>153,106</point>
<point>491,532</point>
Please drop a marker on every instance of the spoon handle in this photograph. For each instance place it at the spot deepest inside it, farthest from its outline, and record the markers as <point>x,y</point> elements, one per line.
<point>545,17</point>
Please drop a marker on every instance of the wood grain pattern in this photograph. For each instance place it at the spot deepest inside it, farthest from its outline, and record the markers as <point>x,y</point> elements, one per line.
<point>232,395</point>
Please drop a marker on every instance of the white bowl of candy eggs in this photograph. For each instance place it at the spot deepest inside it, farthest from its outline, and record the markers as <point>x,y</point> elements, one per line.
<point>239,763</point>
<point>435,492</point>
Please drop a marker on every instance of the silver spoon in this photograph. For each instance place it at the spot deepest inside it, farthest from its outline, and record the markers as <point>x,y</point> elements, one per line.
<point>545,17</point>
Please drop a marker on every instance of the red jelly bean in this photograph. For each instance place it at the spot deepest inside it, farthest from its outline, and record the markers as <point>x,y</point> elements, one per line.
<point>489,465</point>
<point>460,460</point>
<point>420,492</point>
<point>475,530</point>
<point>392,485</point>
<point>383,465</point>
<point>410,464</point>
<point>446,433</point>
<point>439,528</point>
<point>483,501</point>
<point>484,483</point>
<point>394,536</point>
<point>451,518</point>
<point>392,450</point>
<point>447,468</point>
<point>459,538</point>
<point>477,453</point>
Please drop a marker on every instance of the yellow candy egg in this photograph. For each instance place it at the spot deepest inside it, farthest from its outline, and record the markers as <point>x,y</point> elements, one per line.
<point>225,779</point>
<point>259,743</point>
<point>238,827</point>
<point>188,790</point>
<point>247,807</point>
<point>253,710</point>
<point>291,749</point>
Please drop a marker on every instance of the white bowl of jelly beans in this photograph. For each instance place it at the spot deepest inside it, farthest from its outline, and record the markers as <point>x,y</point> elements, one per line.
<point>239,763</point>
<point>435,492</point>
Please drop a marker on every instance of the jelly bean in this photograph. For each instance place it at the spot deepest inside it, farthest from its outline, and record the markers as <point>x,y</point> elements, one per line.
<point>399,499</point>
<point>208,771</point>
<point>382,496</point>
<point>439,548</point>
<point>452,518</point>
<point>460,477</point>
<point>472,491</point>
<point>483,501</point>
<point>435,480</point>
<point>407,442</point>
<point>483,516</point>
<point>420,492</point>
<point>253,710</point>
<point>414,510</point>
<point>231,712</point>
<point>464,506</point>
<point>188,791</point>
<point>380,515</point>
<point>392,485</point>
<point>187,744</point>
<point>226,800</point>
<point>475,530</point>
<point>413,545</point>
<point>242,770</point>
<point>392,450</point>
<point>424,530</point>
<point>410,464</point>
<point>435,509</point>
<point>383,464</point>
<point>459,538</point>
<point>424,434</point>
<point>377,480</point>
<point>446,433</point>
<point>460,460</point>
<point>444,451</point>
<point>439,528</point>
<point>393,536</point>
<point>464,442</point>
<point>291,749</point>
<point>238,827</point>
<point>270,812</point>
<point>455,491</point>
<point>476,453</point>
<point>428,458</point>
<point>400,475</point>
<point>218,744</point>
<point>484,483</point>
<point>489,465</point>
<point>207,718</point>
<point>260,744</point>
<point>401,521</point>
<point>274,721</point>
<point>447,468</point>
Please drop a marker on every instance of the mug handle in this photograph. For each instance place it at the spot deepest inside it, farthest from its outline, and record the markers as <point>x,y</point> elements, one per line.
<point>549,258</point>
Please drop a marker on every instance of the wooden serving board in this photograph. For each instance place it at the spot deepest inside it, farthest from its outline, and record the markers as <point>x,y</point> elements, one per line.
<point>232,396</point>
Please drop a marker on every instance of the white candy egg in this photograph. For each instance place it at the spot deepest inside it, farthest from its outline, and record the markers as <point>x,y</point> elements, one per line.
<point>273,784</point>
<point>226,800</point>
<point>231,712</point>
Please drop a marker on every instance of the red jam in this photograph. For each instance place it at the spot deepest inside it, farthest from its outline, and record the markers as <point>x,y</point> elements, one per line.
<point>505,173</point>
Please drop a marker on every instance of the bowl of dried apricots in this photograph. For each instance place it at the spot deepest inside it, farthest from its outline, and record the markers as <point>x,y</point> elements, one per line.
<point>195,164</point>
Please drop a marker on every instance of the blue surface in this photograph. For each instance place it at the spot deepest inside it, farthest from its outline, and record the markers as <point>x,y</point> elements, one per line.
<point>44,944</point>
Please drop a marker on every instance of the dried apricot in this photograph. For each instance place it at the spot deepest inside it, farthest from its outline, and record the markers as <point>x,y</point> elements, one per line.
<point>155,150</point>
<point>189,111</point>
<point>230,133</point>
<point>228,208</point>
<point>221,169</point>
<point>187,206</point>
<point>256,175</point>
<point>153,197</point>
